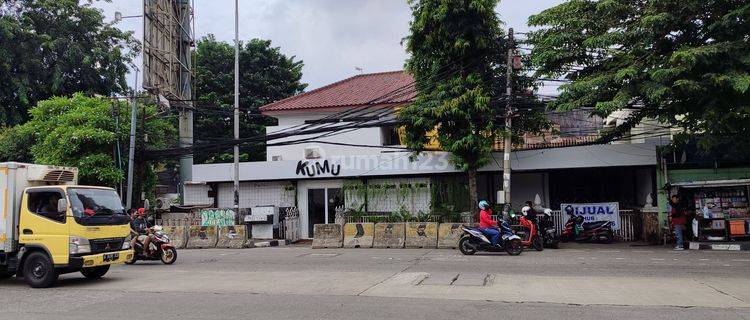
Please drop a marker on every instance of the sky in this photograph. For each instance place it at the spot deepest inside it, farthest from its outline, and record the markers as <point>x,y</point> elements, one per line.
<point>332,37</point>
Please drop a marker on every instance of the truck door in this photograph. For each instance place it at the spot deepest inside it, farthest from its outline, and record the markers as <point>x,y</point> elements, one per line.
<point>42,225</point>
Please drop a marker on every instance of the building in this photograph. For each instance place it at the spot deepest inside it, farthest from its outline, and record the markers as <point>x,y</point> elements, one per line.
<point>364,168</point>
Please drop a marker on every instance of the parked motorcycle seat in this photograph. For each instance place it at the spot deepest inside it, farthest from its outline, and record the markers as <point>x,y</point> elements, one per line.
<point>593,225</point>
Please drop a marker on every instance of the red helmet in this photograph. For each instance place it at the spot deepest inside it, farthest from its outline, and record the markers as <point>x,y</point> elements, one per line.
<point>141,211</point>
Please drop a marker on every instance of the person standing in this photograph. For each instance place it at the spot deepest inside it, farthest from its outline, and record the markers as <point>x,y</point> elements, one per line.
<point>678,219</point>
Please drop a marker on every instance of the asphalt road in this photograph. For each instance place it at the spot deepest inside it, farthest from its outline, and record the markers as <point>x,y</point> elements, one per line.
<point>579,282</point>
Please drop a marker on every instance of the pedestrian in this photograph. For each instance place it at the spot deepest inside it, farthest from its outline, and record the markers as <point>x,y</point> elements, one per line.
<point>678,220</point>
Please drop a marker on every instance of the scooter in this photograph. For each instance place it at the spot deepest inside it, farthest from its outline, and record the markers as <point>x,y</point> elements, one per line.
<point>159,248</point>
<point>474,240</point>
<point>529,233</point>
<point>547,230</point>
<point>597,231</point>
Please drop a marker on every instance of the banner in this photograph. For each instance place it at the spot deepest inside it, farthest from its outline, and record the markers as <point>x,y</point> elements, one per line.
<point>217,217</point>
<point>605,211</point>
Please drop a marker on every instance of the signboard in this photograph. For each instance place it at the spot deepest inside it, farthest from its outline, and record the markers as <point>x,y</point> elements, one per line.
<point>217,217</point>
<point>604,211</point>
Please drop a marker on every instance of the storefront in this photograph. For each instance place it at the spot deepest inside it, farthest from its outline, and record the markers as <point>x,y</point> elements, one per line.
<point>720,208</point>
<point>391,182</point>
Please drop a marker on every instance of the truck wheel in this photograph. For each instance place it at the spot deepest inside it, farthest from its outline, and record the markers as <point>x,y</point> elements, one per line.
<point>39,271</point>
<point>95,272</point>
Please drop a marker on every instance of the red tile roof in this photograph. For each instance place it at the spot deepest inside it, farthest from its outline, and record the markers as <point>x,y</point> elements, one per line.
<point>384,88</point>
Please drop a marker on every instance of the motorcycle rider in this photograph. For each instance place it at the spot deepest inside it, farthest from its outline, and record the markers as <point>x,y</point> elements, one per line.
<point>486,224</point>
<point>531,213</point>
<point>140,227</point>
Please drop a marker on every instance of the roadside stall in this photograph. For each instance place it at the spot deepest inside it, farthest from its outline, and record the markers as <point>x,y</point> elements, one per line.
<point>721,208</point>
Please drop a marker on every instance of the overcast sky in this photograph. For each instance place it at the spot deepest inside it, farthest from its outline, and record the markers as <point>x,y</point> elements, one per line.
<point>332,37</point>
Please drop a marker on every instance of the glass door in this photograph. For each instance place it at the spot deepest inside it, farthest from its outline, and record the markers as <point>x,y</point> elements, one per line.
<point>335,199</point>
<point>322,204</point>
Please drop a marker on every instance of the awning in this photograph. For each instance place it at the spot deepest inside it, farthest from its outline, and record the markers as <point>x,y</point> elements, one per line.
<point>712,183</point>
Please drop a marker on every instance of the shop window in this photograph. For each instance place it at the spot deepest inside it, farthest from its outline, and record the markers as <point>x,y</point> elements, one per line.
<point>44,203</point>
<point>389,136</point>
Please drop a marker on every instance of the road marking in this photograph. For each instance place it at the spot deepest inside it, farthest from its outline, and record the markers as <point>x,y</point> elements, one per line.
<point>741,260</point>
<point>620,258</point>
<point>657,259</point>
<point>703,259</point>
<point>609,251</point>
<point>675,259</point>
<point>727,265</point>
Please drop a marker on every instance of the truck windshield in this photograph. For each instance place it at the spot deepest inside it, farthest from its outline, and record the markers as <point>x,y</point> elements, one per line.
<point>86,202</point>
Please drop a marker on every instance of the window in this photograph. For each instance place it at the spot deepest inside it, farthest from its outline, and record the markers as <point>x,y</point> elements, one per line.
<point>44,203</point>
<point>390,136</point>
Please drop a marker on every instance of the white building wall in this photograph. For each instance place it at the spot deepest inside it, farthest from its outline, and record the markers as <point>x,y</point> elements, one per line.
<point>197,195</point>
<point>362,136</point>
<point>253,194</point>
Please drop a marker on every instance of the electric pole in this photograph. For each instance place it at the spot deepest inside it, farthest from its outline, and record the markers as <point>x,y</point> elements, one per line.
<point>131,146</point>
<point>507,141</point>
<point>185,91</point>
<point>236,107</point>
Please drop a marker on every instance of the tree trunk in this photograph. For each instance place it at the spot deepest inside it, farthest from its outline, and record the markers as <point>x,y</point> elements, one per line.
<point>473,196</point>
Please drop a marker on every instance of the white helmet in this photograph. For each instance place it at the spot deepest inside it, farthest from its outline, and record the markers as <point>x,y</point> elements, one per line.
<point>548,212</point>
<point>525,210</point>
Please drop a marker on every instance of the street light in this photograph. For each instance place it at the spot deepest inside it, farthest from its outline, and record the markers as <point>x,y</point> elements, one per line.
<point>119,17</point>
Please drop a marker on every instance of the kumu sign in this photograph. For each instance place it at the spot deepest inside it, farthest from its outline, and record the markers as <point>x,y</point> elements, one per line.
<point>604,211</point>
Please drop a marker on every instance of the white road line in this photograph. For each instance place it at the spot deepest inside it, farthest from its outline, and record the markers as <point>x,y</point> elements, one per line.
<point>741,260</point>
<point>703,259</point>
<point>620,258</point>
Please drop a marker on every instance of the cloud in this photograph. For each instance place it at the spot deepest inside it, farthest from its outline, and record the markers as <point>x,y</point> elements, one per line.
<point>332,37</point>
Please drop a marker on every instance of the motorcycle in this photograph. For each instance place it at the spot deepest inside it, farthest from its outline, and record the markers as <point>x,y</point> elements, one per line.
<point>529,233</point>
<point>579,231</point>
<point>159,248</point>
<point>547,230</point>
<point>475,240</point>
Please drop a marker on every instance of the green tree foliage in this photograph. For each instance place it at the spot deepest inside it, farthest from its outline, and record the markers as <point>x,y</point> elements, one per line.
<point>80,131</point>
<point>57,47</point>
<point>685,63</point>
<point>266,75</point>
<point>457,60</point>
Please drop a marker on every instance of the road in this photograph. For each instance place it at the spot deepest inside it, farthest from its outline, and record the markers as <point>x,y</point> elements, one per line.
<point>577,282</point>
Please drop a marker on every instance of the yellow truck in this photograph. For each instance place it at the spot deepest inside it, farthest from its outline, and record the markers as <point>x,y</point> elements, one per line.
<point>51,226</point>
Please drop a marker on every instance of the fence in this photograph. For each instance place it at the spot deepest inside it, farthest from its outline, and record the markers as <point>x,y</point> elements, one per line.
<point>630,221</point>
<point>290,227</point>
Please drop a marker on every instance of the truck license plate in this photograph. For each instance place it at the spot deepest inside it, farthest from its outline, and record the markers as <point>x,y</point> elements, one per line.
<point>111,257</point>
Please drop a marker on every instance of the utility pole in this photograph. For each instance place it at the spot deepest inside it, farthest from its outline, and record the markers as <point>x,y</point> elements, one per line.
<point>185,85</point>
<point>507,141</point>
<point>131,146</point>
<point>236,106</point>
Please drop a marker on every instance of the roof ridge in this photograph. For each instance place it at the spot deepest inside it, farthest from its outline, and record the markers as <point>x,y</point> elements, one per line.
<point>303,94</point>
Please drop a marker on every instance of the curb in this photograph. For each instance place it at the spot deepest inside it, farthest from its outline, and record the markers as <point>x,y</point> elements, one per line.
<point>720,246</point>
<point>269,243</point>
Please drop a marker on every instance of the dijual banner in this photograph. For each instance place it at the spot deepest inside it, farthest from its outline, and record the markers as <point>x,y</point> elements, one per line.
<point>604,211</point>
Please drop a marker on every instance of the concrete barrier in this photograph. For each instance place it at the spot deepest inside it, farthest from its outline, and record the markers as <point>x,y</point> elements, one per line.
<point>327,236</point>
<point>448,235</point>
<point>421,234</point>
<point>177,236</point>
<point>234,237</point>
<point>201,237</point>
<point>359,235</point>
<point>389,235</point>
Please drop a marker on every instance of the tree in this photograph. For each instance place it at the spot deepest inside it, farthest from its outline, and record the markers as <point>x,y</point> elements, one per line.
<point>266,75</point>
<point>457,60</point>
<point>57,47</point>
<point>684,63</point>
<point>79,131</point>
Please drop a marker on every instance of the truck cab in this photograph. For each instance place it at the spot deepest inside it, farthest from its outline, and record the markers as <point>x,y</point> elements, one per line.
<point>52,226</point>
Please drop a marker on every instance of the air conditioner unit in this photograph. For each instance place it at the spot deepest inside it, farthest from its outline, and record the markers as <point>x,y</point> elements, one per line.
<point>163,204</point>
<point>276,158</point>
<point>312,153</point>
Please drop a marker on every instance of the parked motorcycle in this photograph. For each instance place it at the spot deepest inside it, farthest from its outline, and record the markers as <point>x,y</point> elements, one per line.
<point>547,230</point>
<point>159,248</point>
<point>475,240</point>
<point>578,230</point>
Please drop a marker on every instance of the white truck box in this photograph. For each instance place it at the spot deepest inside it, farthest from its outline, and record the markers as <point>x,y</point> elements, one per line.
<point>14,178</point>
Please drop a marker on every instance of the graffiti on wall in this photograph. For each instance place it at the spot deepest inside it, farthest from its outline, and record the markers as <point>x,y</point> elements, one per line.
<point>217,217</point>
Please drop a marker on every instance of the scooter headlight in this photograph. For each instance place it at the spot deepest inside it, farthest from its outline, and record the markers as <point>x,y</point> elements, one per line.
<point>78,245</point>
<point>126,243</point>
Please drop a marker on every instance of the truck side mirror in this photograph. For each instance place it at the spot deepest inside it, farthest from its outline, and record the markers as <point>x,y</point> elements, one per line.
<point>62,205</point>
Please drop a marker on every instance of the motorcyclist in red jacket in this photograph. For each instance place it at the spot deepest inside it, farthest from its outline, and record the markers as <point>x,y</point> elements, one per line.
<point>488,226</point>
